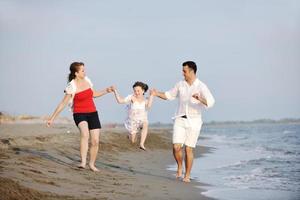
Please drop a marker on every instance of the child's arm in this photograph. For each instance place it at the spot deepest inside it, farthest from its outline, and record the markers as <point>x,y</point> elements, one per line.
<point>117,96</point>
<point>150,100</point>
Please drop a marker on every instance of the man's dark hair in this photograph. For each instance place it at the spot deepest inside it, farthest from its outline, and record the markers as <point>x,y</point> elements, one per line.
<point>192,65</point>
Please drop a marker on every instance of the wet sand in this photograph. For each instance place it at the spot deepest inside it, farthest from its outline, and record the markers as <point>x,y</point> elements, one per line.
<point>37,162</point>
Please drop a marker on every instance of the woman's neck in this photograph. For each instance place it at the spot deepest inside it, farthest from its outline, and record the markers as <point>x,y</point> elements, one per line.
<point>79,80</point>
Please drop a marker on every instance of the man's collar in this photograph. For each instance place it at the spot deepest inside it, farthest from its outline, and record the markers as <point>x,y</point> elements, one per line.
<point>194,82</point>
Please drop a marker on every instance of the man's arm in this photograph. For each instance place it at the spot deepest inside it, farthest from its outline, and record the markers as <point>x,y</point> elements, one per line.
<point>200,98</point>
<point>205,97</point>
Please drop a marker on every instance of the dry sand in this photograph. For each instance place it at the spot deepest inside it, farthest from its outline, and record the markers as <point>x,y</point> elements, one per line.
<point>37,162</point>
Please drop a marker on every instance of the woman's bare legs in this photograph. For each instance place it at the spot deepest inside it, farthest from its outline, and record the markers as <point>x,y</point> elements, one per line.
<point>84,142</point>
<point>144,135</point>
<point>95,134</point>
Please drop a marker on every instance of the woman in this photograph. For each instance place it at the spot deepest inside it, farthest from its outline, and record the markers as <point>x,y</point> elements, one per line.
<point>79,94</point>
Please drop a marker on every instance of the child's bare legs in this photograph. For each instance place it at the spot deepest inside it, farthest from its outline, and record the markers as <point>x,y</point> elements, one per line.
<point>132,134</point>
<point>144,135</point>
<point>132,137</point>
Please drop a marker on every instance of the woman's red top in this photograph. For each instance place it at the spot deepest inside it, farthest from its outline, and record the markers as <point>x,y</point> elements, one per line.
<point>83,102</point>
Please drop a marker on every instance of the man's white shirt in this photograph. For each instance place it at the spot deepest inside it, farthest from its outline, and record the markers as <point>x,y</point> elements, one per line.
<point>188,105</point>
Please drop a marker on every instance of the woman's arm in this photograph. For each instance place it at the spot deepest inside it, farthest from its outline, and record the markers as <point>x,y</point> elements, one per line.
<point>59,108</point>
<point>102,92</point>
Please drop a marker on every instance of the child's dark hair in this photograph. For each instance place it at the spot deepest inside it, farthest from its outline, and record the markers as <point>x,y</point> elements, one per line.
<point>74,67</point>
<point>144,86</point>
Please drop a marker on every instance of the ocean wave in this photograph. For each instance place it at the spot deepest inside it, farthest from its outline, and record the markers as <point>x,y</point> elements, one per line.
<point>218,138</point>
<point>279,152</point>
<point>261,158</point>
<point>288,131</point>
<point>243,164</point>
<point>262,178</point>
<point>227,140</point>
<point>290,164</point>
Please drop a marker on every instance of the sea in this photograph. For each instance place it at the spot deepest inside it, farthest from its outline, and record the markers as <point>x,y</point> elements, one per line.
<point>249,161</point>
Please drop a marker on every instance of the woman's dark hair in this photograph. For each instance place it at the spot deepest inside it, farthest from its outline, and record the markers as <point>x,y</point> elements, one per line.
<point>144,86</point>
<point>74,67</point>
<point>192,65</point>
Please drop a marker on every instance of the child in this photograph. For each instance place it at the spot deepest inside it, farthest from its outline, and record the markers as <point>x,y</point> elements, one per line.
<point>137,111</point>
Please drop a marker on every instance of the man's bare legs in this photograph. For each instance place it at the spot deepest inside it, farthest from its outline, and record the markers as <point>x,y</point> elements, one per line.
<point>144,135</point>
<point>177,152</point>
<point>189,157</point>
<point>95,133</point>
<point>84,142</point>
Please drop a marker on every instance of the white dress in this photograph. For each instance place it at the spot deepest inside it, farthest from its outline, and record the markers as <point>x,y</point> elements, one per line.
<point>136,115</point>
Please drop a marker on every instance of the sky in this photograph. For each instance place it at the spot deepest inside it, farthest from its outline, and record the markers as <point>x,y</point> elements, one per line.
<point>247,53</point>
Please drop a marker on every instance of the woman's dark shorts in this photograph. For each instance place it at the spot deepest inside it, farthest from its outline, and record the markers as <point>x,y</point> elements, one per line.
<point>91,118</point>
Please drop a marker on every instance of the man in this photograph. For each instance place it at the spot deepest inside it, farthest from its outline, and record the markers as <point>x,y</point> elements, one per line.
<point>193,96</point>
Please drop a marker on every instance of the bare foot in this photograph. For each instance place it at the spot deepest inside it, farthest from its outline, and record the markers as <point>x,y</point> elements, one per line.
<point>186,179</point>
<point>81,166</point>
<point>143,148</point>
<point>179,173</point>
<point>93,168</point>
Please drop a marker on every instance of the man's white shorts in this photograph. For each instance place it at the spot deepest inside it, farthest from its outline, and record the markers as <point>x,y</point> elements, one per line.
<point>186,131</point>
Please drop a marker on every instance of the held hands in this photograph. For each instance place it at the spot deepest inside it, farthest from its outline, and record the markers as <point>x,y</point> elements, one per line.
<point>113,89</point>
<point>110,89</point>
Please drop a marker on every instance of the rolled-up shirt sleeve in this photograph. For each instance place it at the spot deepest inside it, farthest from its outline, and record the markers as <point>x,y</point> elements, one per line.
<point>208,96</point>
<point>89,81</point>
<point>173,93</point>
<point>69,89</point>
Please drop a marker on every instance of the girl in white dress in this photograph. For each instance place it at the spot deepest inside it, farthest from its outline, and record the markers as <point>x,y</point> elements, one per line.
<point>137,107</point>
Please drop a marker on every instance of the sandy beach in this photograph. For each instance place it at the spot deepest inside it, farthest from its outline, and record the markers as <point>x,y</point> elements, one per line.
<point>37,162</point>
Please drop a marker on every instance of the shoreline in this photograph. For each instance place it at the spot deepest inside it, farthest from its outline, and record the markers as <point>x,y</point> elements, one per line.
<point>37,162</point>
